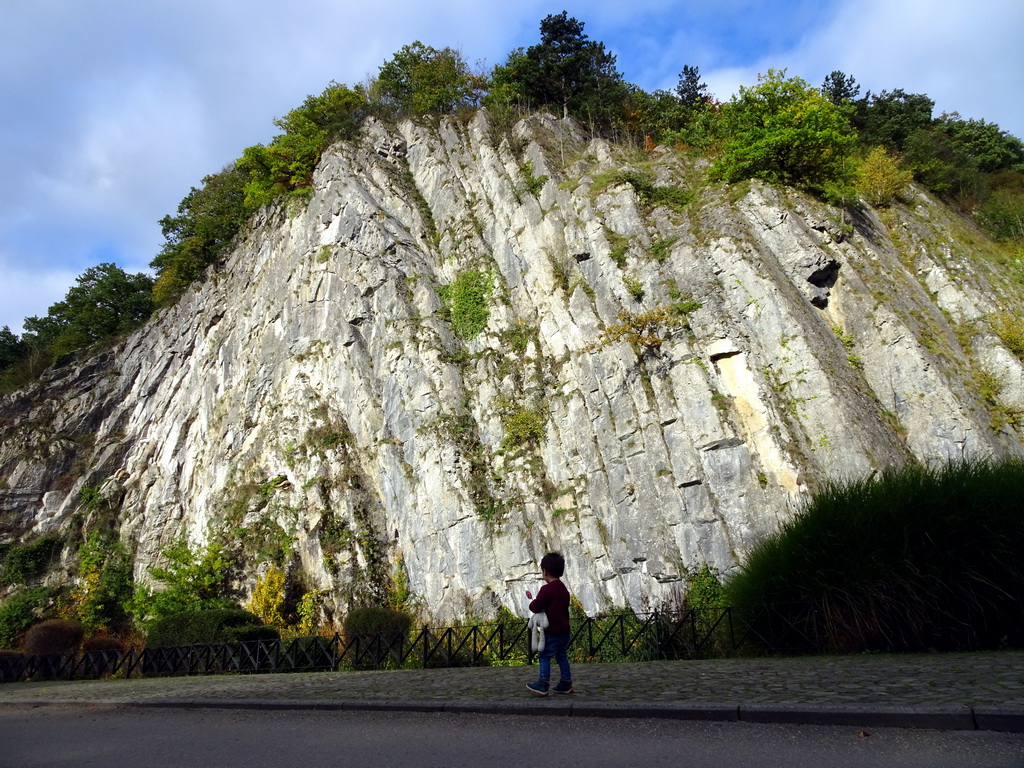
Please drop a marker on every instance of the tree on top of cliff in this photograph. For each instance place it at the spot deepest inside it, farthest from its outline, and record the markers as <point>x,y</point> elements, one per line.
<point>104,302</point>
<point>206,222</point>
<point>565,70</point>
<point>286,165</point>
<point>784,132</point>
<point>421,80</point>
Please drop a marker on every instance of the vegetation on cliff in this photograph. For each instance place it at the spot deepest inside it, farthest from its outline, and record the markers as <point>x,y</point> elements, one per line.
<point>828,140</point>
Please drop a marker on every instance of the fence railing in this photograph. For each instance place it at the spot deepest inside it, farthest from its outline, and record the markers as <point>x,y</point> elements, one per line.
<point>690,634</point>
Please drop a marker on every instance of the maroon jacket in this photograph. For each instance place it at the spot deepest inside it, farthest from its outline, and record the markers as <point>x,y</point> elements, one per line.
<point>553,599</point>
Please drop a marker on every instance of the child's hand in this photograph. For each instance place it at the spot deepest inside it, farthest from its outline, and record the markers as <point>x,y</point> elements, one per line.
<point>529,595</point>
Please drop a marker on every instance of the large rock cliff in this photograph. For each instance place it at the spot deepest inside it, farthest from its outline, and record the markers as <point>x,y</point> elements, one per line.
<point>666,368</point>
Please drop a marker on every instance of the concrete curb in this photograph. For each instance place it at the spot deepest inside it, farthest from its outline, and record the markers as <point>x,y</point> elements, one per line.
<point>1010,719</point>
<point>950,718</point>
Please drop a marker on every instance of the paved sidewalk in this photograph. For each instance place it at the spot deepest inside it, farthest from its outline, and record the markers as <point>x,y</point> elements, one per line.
<point>949,691</point>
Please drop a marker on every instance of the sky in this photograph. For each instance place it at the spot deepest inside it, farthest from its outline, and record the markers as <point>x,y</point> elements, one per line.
<point>110,111</point>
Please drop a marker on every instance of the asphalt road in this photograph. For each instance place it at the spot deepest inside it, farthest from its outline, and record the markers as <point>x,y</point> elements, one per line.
<point>123,737</point>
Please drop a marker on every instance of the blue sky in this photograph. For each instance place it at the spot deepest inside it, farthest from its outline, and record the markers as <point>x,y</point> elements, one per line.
<point>111,111</point>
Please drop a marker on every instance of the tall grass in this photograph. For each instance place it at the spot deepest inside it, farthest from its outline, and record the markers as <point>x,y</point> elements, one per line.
<point>922,557</point>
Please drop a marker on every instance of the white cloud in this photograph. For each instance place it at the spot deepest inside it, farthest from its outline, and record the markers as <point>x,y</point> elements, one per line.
<point>964,54</point>
<point>29,290</point>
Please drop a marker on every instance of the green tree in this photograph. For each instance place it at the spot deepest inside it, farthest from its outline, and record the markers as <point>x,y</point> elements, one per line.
<point>565,70</point>
<point>785,132</point>
<point>880,177</point>
<point>891,117</point>
<point>207,220</point>
<point>420,80</point>
<point>286,165</point>
<point>104,302</point>
<point>943,166</point>
<point>12,348</point>
<point>692,91</point>
<point>193,580</point>
<point>653,114</point>
<point>984,145</point>
<point>840,88</point>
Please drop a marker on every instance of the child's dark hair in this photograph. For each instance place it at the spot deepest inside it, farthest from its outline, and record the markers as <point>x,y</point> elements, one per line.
<point>554,564</point>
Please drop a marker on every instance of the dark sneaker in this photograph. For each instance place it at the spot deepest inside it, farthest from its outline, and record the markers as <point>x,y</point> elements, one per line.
<point>540,687</point>
<point>564,686</point>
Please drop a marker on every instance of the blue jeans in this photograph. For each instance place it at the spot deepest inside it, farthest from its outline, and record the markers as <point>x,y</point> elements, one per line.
<point>556,646</point>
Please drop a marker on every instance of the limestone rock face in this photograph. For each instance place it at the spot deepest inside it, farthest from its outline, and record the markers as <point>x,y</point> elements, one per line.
<point>659,381</point>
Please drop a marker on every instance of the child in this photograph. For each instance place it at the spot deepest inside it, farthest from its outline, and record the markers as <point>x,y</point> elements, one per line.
<point>553,599</point>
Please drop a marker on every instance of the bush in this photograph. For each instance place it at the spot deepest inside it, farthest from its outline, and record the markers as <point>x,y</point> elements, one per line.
<point>375,630</point>
<point>920,558</point>
<point>1010,330</point>
<point>880,178</point>
<point>23,562</point>
<point>369,621</point>
<point>1002,214</point>
<point>103,643</point>
<point>52,637</point>
<point>20,612</point>
<point>219,625</point>
<point>105,586</point>
<point>194,580</point>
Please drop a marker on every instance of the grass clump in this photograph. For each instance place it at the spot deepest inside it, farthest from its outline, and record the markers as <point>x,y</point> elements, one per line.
<point>466,301</point>
<point>918,558</point>
<point>523,427</point>
<point>1010,330</point>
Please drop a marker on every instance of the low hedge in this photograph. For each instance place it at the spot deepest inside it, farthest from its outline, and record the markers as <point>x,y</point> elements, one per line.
<point>218,625</point>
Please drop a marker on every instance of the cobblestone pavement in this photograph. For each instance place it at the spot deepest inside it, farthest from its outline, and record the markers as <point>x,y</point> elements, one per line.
<point>977,690</point>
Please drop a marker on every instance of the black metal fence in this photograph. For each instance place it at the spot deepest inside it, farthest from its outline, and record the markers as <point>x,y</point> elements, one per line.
<point>691,634</point>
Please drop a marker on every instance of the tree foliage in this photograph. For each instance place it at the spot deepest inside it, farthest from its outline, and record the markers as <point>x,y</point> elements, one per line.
<point>784,132</point>
<point>839,88</point>
<point>286,165</point>
<point>889,118</point>
<point>880,178</point>
<point>12,348</point>
<point>420,80</point>
<point>193,580</point>
<point>207,220</point>
<point>565,70</point>
<point>104,302</point>
<point>692,91</point>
